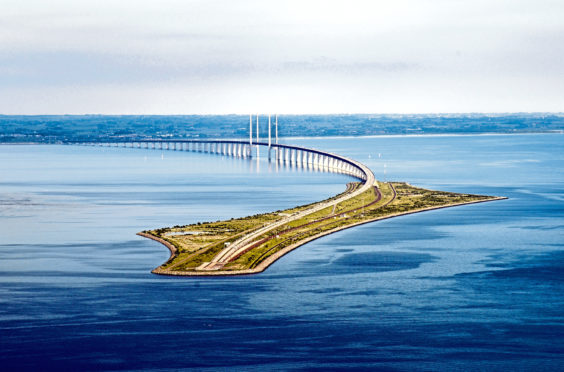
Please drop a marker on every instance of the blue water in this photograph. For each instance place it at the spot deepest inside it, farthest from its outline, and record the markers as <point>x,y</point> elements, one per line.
<point>467,288</point>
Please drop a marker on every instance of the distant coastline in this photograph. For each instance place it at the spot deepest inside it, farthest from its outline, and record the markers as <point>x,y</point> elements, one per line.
<point>61,128</point>
<point>361,136</point>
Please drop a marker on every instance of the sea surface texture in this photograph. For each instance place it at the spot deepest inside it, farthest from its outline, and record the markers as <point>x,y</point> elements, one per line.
<point>478,287</point>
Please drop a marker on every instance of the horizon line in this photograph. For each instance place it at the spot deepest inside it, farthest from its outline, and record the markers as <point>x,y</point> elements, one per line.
<point>313,114</point>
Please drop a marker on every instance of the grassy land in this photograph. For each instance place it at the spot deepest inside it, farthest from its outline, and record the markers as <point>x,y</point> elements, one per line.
<point>199,243</point>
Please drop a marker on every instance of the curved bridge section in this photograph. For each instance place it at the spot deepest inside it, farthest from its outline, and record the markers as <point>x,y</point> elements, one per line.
<point>285,154</point>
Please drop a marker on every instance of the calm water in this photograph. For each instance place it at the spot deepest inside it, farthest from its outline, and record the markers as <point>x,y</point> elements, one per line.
<point>473,287</point>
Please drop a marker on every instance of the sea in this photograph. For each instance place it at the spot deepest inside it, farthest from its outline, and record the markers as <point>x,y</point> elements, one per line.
<point>476,287</point>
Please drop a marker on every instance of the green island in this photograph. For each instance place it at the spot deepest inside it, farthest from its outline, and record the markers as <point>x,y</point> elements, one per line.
<point>250,244</point>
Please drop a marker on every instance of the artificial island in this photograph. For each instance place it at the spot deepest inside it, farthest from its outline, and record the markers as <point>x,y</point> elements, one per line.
<point>248,245</point>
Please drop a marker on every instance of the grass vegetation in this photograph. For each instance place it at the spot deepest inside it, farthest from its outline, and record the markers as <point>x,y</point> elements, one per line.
<point>199,243</point>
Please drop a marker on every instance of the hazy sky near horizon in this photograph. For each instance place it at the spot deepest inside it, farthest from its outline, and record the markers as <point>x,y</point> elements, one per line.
<point>307,56</point>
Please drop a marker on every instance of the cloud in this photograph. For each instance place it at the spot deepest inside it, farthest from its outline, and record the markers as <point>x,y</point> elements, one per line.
<point>406,55</point>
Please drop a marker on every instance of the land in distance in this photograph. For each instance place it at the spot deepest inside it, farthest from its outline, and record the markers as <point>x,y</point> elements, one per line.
<point>61,128</point>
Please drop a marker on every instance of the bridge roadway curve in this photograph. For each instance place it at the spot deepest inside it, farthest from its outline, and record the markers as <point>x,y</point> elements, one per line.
<point>241,245</point>
<point>341,164</point>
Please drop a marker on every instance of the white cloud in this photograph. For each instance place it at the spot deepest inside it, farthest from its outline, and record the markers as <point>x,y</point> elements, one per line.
<point>293,56</point>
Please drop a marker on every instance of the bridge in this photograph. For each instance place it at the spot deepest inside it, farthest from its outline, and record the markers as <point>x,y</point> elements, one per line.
<point>302,157</point>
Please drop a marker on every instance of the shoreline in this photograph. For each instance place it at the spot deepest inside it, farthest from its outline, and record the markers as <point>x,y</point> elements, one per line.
<point>276,256</point>
<point>388,135</point>
<point>170,247</point>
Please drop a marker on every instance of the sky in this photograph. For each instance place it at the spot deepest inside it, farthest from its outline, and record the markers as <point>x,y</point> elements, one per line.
<point>306,56</point>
